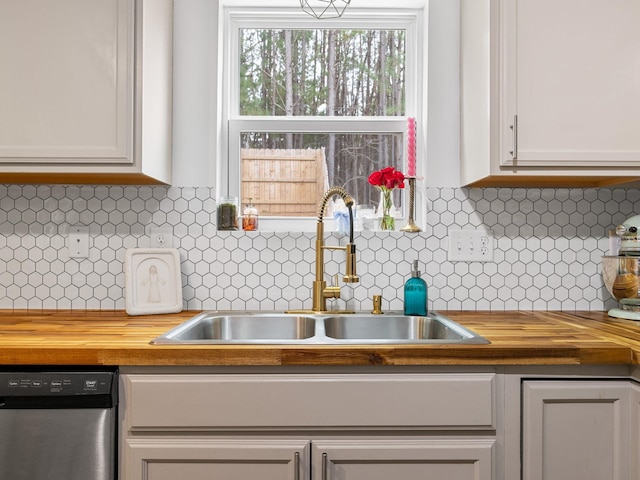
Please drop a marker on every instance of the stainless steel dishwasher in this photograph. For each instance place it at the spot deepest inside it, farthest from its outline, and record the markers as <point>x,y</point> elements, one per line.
<point>58,425</point>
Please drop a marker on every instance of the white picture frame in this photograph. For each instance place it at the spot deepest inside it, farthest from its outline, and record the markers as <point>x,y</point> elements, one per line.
<point>152,281</point>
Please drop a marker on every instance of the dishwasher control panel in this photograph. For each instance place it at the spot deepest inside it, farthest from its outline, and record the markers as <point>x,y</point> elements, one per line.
<point>56,383</point>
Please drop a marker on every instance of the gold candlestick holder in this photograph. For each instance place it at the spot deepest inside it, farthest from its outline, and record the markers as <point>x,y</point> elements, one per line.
<point>411,224</point>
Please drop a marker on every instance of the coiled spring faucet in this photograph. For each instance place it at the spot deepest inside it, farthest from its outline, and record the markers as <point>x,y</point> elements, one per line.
<point>320,290</point>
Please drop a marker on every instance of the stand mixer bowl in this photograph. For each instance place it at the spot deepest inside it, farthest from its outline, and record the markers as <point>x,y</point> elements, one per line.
<point>621,275</point>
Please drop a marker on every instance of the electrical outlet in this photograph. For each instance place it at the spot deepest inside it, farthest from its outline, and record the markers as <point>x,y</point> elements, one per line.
<point>78,241</point>
<point>161,237</point>
<point>470,246</point>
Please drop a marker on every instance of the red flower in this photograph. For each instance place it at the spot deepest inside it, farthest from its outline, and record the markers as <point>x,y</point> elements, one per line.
<point>388,178</point>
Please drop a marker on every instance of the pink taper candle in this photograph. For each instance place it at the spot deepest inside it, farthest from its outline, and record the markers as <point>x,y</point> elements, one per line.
<point>411,147</point>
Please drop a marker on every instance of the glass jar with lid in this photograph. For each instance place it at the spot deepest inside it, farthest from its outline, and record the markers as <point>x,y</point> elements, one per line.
<point>250,217</point>
<point>228,213</point>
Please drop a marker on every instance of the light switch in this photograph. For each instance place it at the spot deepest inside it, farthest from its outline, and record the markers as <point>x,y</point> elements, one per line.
<point>470,246</point>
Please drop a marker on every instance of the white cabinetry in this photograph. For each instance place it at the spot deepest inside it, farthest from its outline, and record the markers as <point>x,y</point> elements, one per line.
<point>317,426</point>
<point>578,430</point>
<point>85,91</point>
<point>273,459</point>
<point>635,431</point>
<point>550,92</point>
<point>206,458</point>
<point>403,459</point>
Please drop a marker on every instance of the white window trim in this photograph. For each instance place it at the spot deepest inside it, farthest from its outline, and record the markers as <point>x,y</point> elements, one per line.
<point>411,15</point>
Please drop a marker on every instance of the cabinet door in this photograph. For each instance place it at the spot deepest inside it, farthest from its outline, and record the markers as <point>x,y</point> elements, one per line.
<point>433,401</point>
<point>459,459</point>
<point>576,430</point>
<point>206,459</point>
<point>635,432</point>
<point>67,81</point>
<point>571,77</point>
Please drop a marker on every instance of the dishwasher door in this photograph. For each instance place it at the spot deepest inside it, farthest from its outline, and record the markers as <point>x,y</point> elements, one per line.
<point>58,425</point>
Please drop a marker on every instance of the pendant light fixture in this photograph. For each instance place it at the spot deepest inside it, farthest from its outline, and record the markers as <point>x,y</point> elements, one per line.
<point>324,8</point>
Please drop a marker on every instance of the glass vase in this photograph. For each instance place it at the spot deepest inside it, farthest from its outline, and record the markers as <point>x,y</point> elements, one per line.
<point>387,211</point>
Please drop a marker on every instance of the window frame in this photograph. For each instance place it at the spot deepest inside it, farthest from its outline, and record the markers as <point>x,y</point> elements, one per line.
<point>409,15</point>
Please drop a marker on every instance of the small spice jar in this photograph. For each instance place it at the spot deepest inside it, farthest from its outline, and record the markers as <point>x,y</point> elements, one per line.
<point>228,213</point>
<point>250,217</point>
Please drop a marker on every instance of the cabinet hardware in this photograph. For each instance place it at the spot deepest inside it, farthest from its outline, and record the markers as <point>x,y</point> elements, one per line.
<point>514,130</point>
<point>296,466</point>
<point>324,466</point>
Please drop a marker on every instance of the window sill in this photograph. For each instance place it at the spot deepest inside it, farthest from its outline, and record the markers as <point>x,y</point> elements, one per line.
<point>303,225</point>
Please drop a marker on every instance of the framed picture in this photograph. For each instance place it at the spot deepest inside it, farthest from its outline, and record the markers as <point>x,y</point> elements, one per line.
<point>152,281</point>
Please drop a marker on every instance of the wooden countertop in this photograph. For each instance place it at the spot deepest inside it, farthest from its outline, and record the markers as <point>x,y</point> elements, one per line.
<point>76,337</point>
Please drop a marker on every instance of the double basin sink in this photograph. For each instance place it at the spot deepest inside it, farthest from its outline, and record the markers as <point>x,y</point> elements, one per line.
<point>222,328</point>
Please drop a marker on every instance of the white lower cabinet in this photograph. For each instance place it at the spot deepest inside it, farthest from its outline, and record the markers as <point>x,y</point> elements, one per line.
<point>578,430</point>
<point>268,459</point>
<point>635,432</point>
<point>309,427</point>
<point>460,459</point>
<point>176,458</point>
<point>523,423</point>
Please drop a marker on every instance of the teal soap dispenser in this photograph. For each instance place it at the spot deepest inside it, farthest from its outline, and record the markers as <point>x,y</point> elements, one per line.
<point>415,293</point>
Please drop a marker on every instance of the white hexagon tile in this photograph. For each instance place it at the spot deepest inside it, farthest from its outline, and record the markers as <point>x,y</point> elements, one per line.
<point>548,245</point>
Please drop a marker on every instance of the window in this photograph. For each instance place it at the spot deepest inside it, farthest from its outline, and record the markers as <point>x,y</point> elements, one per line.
<point>311,103</point>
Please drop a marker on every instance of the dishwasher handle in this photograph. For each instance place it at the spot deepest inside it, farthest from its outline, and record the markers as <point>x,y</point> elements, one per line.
<point>54,402</point>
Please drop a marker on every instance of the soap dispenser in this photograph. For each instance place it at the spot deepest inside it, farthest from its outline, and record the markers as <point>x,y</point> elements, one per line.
<point>415,293</point>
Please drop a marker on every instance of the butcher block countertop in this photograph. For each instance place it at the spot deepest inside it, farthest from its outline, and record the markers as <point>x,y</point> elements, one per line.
<point>78,337</point>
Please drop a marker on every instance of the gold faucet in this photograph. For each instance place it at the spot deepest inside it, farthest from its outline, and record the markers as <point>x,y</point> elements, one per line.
<point>320,290</point>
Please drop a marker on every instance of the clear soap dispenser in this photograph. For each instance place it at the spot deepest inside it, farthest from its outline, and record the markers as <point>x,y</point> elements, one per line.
<point>415,293</point>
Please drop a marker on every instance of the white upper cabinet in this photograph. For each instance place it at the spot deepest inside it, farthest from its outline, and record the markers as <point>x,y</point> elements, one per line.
<point>550,92</point>
<point>85,91</point>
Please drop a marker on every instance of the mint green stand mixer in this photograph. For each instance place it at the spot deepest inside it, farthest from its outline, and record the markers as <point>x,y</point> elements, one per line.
<point>621,273</point>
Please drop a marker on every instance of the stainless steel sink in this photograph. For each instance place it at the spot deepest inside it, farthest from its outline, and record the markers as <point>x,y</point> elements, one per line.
<point>241,328</point>
<point>397,327</point>
<point>220,328</point>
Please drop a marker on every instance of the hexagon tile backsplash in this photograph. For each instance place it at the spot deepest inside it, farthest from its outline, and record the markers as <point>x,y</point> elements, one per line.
<point>548,249</point>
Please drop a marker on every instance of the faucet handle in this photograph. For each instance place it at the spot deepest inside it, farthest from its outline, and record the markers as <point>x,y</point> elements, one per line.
<point>377,305</point>
<point>333,290</point>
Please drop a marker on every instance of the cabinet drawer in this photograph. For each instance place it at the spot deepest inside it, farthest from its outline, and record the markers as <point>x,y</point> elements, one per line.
<point>404,401</point>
